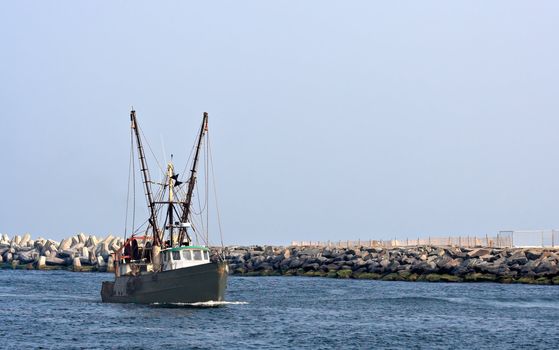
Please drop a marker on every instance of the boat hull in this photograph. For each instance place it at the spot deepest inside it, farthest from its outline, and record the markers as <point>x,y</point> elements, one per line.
<point>194,284</point>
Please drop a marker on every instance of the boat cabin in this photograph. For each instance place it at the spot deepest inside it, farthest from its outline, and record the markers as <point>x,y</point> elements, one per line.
<point>186,256</point>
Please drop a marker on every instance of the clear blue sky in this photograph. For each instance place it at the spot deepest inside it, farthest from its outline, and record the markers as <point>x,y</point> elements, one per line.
<point>329,120</point>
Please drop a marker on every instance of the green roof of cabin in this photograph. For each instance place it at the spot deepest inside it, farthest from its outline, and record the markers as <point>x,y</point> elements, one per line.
<point>176,249</point>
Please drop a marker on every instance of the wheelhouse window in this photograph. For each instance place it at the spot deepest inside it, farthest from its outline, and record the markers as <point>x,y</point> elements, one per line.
<point>197,254</point>
<point>206,255</point>
<point>187,254</point>
<point>176,255</point>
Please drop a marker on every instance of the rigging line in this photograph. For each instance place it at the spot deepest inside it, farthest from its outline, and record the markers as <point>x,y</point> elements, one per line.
<point>206,173</point>
<point>142,225</point>
<point>128,187</point>
<point>151,150</point>
<point>201,209</point>
<point>215,192</point>
<point>181,192</point>
<point>199,236</point>
<point>188,160</point>
<point>133,181</point>
<point>199,203</point>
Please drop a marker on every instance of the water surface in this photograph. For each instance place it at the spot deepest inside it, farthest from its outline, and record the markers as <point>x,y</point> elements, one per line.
<point>59,309</point>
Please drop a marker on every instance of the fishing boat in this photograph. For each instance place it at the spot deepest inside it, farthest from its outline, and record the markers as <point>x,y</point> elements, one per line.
<point>162,263</point>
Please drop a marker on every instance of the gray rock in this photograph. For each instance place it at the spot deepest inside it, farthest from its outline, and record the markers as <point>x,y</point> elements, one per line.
<point>26,257</point>
<point>76,264</point>
<point>67,253</point>
<point>264,267</point>
<point>92,241</point>
<point>518,258</point>
<point>110,264</point>
<point>478,252</point>
<point>65,244</point>
<point>533,254</point>
<point>26,238</point>
<point>75,241</point>
<point>81,238</point>
<point>42,262</point>
<point>295,263</point>
<point>331,267</point>
<point>311,267</point>
<point>54,261</point>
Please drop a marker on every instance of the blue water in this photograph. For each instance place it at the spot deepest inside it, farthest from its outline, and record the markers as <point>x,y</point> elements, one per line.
<point>60,309</point>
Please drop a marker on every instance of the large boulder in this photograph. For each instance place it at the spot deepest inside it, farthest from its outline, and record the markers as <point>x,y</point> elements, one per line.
<point>65,244</point>
<point>518,257</point>
<point>7,257</point>
<point>533,254</point>
<point>26,238</point>
<point>84,260</point>
<point>54,261</point>
<point>76,264</point>
<point>26,257</point>
<point>67,253</point>
<point>108,239</point>
<point>311,266</point>
<point>295,263</point>
<point>103,250</point>
<point>16,239</point>
<point>92,241</point>
<point>83,252</point>
<point>42,262</point>
<point>111,264</point>
<point>81,238</point>
<point>114,245</point>
<point>75,241</point>
<point>286,254</point>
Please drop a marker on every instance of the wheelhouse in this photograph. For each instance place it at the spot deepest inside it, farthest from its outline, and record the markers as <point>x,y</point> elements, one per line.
<point>185,256</point>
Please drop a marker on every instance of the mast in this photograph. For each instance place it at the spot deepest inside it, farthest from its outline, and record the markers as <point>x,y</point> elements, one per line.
<point>146,179</point>
<point>170,174</point>
<point>192,181</point>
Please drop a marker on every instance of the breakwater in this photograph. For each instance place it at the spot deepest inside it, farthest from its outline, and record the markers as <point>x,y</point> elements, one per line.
<point>78,253</point>
<point>423,263</point>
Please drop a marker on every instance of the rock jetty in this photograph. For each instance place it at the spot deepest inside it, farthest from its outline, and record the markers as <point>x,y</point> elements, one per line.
<point>424,263</point>
<point>77,253</point>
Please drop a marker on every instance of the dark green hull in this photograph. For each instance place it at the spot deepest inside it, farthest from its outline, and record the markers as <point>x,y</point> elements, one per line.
<point>194,284</point>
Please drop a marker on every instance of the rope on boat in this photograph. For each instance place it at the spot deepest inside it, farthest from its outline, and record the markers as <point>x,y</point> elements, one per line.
<point>197,218</point>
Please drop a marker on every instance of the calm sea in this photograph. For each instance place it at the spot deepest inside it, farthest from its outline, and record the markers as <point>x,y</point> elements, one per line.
<point>63,310</point>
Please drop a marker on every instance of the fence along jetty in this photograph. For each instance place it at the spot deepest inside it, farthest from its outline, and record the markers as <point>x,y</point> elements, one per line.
<point>415,263</point>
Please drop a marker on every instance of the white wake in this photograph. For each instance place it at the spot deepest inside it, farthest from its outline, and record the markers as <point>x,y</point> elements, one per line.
<point>210,303</point>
